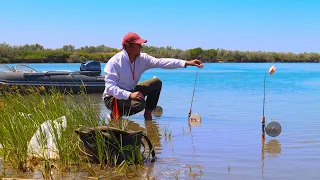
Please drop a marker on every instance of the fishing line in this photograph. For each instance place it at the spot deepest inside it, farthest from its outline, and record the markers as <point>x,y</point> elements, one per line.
<point>264,93</point>
<point>194,88</point>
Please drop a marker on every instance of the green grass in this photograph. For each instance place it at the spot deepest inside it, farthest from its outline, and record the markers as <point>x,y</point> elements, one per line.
<point>22,113</point>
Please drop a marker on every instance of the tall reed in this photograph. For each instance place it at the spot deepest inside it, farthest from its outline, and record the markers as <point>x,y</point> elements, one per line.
<point>23,111</point>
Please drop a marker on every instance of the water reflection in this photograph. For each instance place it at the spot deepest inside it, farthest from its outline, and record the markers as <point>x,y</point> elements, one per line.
<point>148,170</point>
<point>193,122</point>
<point>154,134</point>
<point>151,130</point>
<point>273,148</point>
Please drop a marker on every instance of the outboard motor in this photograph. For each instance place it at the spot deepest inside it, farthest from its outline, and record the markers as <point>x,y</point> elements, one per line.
<point>91,65</point>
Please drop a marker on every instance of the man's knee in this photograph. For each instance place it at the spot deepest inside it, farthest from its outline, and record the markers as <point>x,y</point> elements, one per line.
<point>157,82</point>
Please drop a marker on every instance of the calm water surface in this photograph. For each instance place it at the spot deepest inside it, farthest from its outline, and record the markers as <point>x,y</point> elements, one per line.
<point>227,144</point>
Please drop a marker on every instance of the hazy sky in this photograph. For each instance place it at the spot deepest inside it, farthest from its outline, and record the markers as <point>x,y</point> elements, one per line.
<point>253,25</point>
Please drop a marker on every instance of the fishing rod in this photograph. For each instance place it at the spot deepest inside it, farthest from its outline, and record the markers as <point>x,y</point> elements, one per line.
<point>194,117</point>
<point>273,128</point>
<point>264,101</point>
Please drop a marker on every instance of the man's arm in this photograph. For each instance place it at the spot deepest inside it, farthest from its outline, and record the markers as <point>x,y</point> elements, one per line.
<point>170,63</point>
<point>165,63</point>
<point>111,79</point>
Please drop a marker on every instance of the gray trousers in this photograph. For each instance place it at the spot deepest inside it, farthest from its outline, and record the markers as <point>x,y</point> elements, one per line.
<point>150,89</point>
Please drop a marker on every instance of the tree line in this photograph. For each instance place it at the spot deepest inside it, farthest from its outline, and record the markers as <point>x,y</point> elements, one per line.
<point>36,53</point>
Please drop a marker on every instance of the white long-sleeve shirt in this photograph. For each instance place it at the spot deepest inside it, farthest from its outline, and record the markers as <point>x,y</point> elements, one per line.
<point>119,72</point>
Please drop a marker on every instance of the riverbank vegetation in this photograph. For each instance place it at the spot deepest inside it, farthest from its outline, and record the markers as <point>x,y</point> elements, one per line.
<point>24,112</point>
<point>36,53</point>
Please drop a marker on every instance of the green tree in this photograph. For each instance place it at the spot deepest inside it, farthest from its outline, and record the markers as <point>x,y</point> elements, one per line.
<point>195,53</point>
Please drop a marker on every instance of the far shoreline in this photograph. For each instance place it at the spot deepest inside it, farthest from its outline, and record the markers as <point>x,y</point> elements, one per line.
<point>36,53</point>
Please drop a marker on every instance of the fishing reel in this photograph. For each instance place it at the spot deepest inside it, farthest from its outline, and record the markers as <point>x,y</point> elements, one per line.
<point>273,129</point>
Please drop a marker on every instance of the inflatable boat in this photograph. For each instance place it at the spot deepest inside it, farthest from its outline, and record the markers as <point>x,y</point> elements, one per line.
<point>89,78</point>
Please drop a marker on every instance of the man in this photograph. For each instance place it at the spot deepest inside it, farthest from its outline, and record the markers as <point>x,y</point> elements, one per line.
<point>123,95</point>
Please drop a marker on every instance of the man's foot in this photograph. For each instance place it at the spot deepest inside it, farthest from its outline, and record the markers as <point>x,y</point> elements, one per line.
<point>148,114</point>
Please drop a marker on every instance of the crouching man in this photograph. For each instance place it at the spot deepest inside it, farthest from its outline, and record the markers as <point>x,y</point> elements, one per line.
<point>123,95</point>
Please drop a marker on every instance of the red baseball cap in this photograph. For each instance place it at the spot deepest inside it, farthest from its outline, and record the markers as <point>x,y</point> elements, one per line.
<point>132,37</point>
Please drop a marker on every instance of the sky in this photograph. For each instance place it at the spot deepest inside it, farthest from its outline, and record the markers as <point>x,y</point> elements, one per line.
<point>245,25</point>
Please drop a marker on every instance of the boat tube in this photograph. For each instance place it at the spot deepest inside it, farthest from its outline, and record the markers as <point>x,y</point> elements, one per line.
<point>89,78</point>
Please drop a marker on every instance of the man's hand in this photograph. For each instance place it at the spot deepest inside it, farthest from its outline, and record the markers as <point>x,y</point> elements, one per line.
<point>195,62</point>
<point>136,95</point>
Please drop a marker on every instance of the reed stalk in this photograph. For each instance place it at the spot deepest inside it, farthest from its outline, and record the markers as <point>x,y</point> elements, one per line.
<point>24,110</point>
